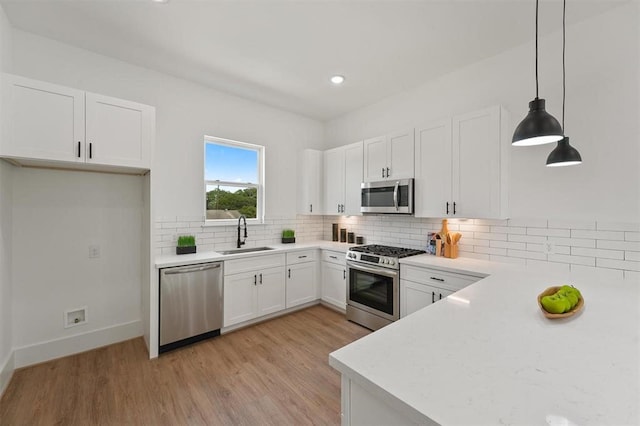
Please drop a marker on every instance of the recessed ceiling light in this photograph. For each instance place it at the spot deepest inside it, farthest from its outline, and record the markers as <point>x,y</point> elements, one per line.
<point>160,1</point>
<point>337,79</point>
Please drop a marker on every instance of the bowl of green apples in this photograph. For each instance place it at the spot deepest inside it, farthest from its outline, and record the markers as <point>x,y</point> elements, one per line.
<point>560,301</point>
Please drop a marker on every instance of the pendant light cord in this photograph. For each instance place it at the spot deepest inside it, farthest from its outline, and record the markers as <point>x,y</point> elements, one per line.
<point>564,13</point>
<point>536,49</point>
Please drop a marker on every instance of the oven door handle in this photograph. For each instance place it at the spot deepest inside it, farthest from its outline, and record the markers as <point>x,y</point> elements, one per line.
<point>395,195</point>
<point>374,270</point>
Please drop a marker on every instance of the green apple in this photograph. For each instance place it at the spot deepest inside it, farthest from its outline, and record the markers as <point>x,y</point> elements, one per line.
<point>570,294</point>
<point>555,304</point>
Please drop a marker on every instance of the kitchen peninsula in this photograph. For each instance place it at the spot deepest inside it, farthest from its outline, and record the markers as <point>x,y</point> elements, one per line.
<point>487,355</point>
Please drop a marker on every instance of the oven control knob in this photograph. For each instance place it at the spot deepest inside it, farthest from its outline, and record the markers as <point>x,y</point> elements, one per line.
<point>393,262</point>
<point>386,261</point>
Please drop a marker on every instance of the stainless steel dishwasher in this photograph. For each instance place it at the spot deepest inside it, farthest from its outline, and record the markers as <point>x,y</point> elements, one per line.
<point>191,304</point>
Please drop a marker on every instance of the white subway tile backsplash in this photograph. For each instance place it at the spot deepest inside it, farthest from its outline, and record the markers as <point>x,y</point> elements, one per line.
<point>632,236</point>
<point>527,239</point>
<point>618,264</point>
<point>508,245</point>
<point>606,254</point>
<point>618,226</point>
<point>600,235</point>
<point>527,254</point>
<point>572,242</point>
<point>528,222</point>
<point>619,245</point>
<point>509,230</point>
<point>610,249</point>
<point>578,260</point>
<point>632,255</point>
<point>549,232</point>
<point>571,224</point>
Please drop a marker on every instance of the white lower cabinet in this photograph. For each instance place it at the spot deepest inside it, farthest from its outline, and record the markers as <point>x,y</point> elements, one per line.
<point>301,277</point>
<point>334,278</point>
<point>421,287</point>
<point>253,293</point>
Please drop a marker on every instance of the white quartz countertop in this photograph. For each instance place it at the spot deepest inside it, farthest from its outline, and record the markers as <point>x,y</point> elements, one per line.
<point>463,265</point>
<point>212,256</point>
<point>489,356</point>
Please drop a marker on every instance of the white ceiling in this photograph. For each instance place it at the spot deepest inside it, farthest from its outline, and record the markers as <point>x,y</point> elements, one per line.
<point>282,53</point>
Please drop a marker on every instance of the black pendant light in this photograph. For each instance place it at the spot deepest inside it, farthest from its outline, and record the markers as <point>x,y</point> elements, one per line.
<point>538,127</point>
<point>564,154</point>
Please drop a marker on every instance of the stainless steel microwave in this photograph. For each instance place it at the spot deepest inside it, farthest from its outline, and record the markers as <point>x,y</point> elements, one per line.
<point>389,196</point>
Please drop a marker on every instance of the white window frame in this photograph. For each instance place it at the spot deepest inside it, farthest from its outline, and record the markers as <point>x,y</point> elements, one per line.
<point>260,185</point>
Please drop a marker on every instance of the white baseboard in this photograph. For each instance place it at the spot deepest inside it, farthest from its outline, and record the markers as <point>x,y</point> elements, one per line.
<point>6,372</point>
<point>45,351</point>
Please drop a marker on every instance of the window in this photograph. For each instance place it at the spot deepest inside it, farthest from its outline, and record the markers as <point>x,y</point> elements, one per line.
<point>234,180</point>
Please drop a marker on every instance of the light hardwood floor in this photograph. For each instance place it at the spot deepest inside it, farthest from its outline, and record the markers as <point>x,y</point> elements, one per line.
<point>276,372</point>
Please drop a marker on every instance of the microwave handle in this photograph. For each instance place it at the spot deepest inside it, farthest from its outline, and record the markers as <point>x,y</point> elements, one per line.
<point>395,195</point>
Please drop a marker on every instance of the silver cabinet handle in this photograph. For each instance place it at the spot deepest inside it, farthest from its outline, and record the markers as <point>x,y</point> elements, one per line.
<point>302,257</point>
<point>196,269</point>
<point>383,172</point>
<point>338,208</point>
<point>387,172</point>
<point>334,257</point>
<point>310,208</point>
<point>289,272</point>
<point>255,280</point>
<point>437,279</point>
<point>433,297</point>
<point>260,277</point>
<point>344,274</point>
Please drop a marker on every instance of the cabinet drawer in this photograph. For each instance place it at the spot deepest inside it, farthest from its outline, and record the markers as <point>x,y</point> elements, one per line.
<point>301,256</point>
<point>253,263</point>
<point>446,280</point>
<point>333,257</point>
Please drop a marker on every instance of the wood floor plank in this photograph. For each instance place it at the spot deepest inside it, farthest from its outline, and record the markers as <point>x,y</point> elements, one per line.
<point>272,373</point>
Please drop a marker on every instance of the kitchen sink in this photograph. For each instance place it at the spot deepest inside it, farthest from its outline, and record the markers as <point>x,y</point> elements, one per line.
<point>245,250</point>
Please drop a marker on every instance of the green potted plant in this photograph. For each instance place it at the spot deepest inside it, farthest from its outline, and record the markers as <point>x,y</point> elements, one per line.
<point>288,236</point>
<point>186,244</point>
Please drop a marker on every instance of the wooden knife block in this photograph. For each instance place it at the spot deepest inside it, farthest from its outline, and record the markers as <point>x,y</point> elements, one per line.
<point>451,250</point>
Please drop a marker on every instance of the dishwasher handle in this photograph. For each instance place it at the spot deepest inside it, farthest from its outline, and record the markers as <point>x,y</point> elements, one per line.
<point>189,269</point>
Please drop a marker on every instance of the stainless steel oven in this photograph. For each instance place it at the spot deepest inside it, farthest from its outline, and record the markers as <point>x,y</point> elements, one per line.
<point>373,284</point>
<point>373,297</point>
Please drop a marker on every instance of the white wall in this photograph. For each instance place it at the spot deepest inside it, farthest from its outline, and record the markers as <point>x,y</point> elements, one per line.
<point>57,215</point>
<point>602,117</point>
<point>6,178</point>
<point>185,113</point>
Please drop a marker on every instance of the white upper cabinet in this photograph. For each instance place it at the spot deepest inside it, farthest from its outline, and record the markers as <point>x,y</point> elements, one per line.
<point>53,123</point>
<point>342,179</point>
<point>118,132</point>
<point>433,169</point>
<point>310,182</point>
<point>42,120</point>
<point>389,157</point>
<point>462,165</point>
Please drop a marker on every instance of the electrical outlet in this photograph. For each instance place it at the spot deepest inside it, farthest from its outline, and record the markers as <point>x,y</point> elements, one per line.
<point>75,317</point>
<point>549,248</point>
<point>94,251</point>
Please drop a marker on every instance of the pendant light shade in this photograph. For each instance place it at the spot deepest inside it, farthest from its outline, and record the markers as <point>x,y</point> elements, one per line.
<point>564,155</point>
<point>538,127</point>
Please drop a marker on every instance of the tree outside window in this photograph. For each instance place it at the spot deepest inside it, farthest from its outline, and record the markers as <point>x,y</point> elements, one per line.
<point>234,182</point>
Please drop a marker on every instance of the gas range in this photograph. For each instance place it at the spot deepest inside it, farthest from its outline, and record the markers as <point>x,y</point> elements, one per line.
<point>379,255</point>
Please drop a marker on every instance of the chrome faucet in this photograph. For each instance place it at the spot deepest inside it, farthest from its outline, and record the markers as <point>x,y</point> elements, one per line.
<point>240,243</point>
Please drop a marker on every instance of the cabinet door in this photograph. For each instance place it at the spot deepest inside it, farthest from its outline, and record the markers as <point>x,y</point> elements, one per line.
<point>400,154</point>
<point>477,173</point>
<point>44,121</point>
<point>334,180</point>
<point>334,284</point>
<point>310,183</point>
<point>301,283</point>
<point>240,297</point>
<point>433,169</point>
<point>375,159</point>
<point>416,296</point>
<point>271,291</point>
<point>353,179</point>
<point>119,132</point>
